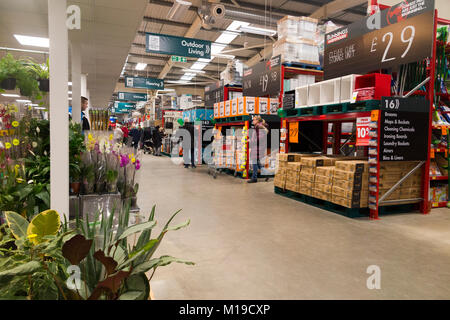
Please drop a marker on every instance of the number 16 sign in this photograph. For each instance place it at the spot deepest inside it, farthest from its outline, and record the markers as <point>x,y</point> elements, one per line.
<point>362,131</point>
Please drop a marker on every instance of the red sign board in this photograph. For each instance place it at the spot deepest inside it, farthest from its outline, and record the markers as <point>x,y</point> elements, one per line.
<point>362,131</point>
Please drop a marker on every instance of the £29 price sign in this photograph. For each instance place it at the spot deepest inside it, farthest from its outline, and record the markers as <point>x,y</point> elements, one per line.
<point>362,131</point>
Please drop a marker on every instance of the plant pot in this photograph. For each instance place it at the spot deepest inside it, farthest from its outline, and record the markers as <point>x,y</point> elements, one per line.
<point>100,187</point>
<point>44,85</point>
<point>88,187</point>
<point>133,202</point>
<point>8,84</point>
<point>111,187</point>
<point>75,188</point>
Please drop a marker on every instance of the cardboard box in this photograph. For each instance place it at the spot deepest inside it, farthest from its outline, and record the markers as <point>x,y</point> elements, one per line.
<point>293,178</point>
<point>347,193</point>
<point>323,180</point>
<point>357,184</point>
<point>305,184</point>
<point>234,110</point>
<point>348,175</point>
<point>291,187</point>
<point>322,195</point>
<point>294,166</point>
<point>307,176</point>
<point>305,191</point>
<point>327,188</point>
<point>227,108</point>
<point>348,203</point>
<point>352,165</point>
<point>262,105</point>
<point>325,171</point>
<point>317,161</point>
<point>308,170</point>
<point>273,106</point>
<point>246,106</point>
<point>397,165</point>
<point>279,183</point>
<point>222,109</point>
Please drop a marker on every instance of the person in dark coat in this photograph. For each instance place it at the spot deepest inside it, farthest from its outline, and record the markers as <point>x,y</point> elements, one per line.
<point>85,122</point>
<point>135,135</point>
<point>258,146</point>
<point>188,155</point>
<point>157,141</point>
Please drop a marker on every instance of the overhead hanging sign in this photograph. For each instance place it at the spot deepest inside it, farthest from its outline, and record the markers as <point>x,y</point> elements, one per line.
<point>132,96</point>
<point>123,107</point>
<point>404,129</point>
<point>172,45</point>
<point>263,79</point>
<point>214,93</point>
<point>144,83</point>
<point>398,35</point>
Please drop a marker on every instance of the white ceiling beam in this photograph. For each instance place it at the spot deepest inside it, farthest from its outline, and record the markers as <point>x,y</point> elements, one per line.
<point>334,7</point>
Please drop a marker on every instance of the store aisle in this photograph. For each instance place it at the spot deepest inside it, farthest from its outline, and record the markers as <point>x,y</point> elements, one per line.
<point>249,243</point>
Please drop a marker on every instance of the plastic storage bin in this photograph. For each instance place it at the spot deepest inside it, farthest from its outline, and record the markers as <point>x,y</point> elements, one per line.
<point>373,86</point>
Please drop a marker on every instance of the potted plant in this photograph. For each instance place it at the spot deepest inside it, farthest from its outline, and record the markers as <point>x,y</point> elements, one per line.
<point>111,180</point>
<point>88,178</point>
<point>9,68</point>
<point>74,172</point>
<point>41,73</point>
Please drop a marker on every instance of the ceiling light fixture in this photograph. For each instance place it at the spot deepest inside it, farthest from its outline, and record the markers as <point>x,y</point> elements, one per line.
<point>193,70</point>
<point>178,9</point>
<point>140,66</point>
<point>23,101</point>
<point>32,41</point>
<point>10,95</point>
<point>69,83</point>
<point>257,30</point>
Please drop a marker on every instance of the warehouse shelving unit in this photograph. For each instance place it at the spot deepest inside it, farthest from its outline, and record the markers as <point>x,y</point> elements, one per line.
<point>349,112</point>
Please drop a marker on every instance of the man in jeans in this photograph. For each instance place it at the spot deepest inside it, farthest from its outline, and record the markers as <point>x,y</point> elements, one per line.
<point>258,143</point>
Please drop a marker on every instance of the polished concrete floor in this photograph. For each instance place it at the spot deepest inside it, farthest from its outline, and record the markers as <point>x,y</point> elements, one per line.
<point>249,243</point>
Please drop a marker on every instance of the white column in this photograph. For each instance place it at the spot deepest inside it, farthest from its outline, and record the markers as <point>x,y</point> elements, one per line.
<point>76,80</point>
<point>59,118</point>
<point>83,85</point>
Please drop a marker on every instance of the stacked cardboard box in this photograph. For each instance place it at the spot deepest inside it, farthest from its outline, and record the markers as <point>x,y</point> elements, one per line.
<point>323,183</point>
<point>351,184</point>
<point>293,176</point>
<point>391,173</point>
<point>280,178</point>
<point>308,173</point>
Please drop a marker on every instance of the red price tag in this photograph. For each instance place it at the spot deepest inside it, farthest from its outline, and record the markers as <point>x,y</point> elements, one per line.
<point>362,131</point>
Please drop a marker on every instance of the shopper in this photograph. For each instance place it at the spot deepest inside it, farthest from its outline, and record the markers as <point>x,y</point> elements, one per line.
<point>258,141</point>
<point>135,135</point>
<point>188,153</point>
<point>157,141</point>
<point>118,134</point>
<point>84,106</point>
<point>125,134</point>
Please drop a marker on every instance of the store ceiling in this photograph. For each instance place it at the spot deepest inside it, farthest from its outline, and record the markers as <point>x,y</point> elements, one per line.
<point>155,20</point>
<point>112,30</point>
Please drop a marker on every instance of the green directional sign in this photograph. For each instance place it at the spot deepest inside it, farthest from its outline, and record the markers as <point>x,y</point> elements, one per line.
<point>179,59</point>
<point>144,83</point>
<point>123,107</point>
<point>132,96</point>
<point>172,45</point>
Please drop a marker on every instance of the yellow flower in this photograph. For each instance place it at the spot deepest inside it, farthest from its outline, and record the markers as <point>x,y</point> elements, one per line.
<point>90,137</point>
<point>133,160</point>
<point>7,145</point>
<point>19,180</point>
<point>111,137</point>
<point>16,142</point>
<point>15,123</point>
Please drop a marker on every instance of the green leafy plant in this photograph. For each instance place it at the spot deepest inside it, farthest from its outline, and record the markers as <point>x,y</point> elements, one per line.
<point>33,268</point>
<point>113,269</point>
<point>39,71</point>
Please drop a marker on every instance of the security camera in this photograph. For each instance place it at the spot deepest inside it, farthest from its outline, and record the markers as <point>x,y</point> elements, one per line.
<point>218,11</point>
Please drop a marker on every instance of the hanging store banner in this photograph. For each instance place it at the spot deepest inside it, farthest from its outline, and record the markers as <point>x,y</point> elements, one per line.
<point>404,129</point>
<point>214,93</point>
<point>123,107</point>
<point>398,35</point>
<point>144,83</point>
<point>263,79</point>
<point>132,96</point>
<point>362,131</point>
<point>172,45</point>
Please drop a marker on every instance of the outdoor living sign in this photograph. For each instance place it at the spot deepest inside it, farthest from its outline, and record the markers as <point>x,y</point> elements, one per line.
<point>172,45</point>
<point>144,83</point>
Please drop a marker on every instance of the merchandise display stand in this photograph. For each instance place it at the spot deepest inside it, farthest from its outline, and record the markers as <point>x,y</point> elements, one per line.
<point>338,113</point>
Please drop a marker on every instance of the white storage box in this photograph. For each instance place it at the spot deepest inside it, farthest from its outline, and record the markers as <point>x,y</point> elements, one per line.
<point>330,91</point>
<point>305,51</point>
<point>301,97</point>
<point>314,94</point>
<point>347,87</point>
